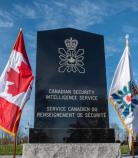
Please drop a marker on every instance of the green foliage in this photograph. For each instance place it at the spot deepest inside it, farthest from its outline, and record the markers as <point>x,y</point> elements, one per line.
<point>8,149</point>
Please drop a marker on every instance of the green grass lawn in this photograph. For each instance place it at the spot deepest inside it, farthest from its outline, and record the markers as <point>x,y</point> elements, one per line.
<point>8,149</point>
<point>124,150</point>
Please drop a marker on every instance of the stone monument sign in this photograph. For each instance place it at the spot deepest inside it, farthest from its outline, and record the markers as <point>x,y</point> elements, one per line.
<point>71,94</point>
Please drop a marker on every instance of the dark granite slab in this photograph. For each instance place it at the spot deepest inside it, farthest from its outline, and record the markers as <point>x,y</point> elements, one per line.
<point>77,135</point>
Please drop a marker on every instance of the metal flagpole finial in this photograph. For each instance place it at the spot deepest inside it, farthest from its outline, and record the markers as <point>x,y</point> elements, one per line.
<point>127,37</point>
<point>21,29</point>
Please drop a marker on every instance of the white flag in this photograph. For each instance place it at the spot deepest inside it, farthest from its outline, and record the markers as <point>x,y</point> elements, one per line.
<point>124,93</point>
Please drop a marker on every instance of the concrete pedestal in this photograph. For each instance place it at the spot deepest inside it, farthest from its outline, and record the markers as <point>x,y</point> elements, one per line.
<point>77,150</point>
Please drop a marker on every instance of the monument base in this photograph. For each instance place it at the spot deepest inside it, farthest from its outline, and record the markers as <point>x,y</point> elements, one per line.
<point>67,150</point>
<point>72,135</point>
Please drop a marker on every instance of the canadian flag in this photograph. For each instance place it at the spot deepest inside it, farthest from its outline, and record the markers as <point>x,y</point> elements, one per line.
<point>15,87</point>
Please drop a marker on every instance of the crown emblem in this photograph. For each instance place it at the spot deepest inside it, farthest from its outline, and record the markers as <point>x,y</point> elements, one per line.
<point>71,44</point>
<point>71,58</point>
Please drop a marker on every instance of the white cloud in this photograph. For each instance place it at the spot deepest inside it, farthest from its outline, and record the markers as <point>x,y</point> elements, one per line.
<point>25,11</point>
<point>65,13</point>
<point>115,7</point>
<point>88,13</point>
<point>130,5</point>
<point>31,37</point>
<point>82,14</point>
<point>113,45</point>
<point>50,16</point>
<point>130,29</point>
<point>5,24</point>
<point>111,50</point>
<point>69,14</point>
<point>60,4</point>
<point>5,19</point>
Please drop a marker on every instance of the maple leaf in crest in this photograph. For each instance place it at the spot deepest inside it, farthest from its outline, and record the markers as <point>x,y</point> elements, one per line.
<point>20,80</point>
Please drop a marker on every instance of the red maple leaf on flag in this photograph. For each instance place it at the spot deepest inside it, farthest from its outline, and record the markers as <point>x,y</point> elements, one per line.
<point>20,80</point>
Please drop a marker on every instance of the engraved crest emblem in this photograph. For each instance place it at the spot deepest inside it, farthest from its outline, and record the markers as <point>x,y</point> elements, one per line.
<point>71,58</point>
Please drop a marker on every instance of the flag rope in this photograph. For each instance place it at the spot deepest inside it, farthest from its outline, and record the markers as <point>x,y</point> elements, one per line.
<point>17,38</point>
<point>133,151</point>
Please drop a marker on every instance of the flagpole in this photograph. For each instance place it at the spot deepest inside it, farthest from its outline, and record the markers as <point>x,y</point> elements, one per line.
<point>133,152</point>
<point>127,42</point>
<point>132,148</point>
<point>14,147</point>
<point>28,126</point>
<point>17,36</point>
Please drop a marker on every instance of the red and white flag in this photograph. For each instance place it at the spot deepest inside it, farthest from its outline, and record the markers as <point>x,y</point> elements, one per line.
<point>15,87</point>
